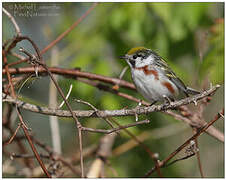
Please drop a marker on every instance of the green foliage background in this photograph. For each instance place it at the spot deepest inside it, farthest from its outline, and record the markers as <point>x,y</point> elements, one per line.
<point>189,36</point>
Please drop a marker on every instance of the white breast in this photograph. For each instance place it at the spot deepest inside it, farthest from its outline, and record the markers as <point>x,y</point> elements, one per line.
<point>151,88</point>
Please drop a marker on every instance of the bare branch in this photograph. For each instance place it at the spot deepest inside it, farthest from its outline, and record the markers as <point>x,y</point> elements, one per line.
<point>17,29</point>
<point>14,134</point>
<point>199,132</point>
<point>109,113</point>
<point>115,129</point>
<point>69,29</point>
<point>73,73</point>
<point>77,73</point>
<point>180,159</point>
<point>25,129</point>
<point>95,109</point>
<point>198,155</point>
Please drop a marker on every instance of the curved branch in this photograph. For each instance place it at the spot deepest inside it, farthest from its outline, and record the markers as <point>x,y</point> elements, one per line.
<point>73,73</point>
<point>17,29</point>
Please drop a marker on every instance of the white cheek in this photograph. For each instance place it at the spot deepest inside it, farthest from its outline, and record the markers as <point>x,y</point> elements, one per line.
<point>143,62</point>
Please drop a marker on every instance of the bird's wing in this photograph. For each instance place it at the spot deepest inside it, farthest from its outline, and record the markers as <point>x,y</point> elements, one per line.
<point>171,75</point>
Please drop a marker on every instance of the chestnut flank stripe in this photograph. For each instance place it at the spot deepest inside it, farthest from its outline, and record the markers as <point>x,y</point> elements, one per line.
<point>168,86</point>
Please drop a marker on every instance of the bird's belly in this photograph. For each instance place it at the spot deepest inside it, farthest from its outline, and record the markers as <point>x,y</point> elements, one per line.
<point>151,88</point>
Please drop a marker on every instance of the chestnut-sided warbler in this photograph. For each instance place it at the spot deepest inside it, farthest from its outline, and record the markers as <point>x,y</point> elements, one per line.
<point>152,76</point>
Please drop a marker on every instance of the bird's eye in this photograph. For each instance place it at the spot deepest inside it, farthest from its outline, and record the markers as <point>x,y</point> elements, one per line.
<point>134,56</point>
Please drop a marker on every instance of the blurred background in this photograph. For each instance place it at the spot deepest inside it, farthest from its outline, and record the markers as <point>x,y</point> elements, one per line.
<point>189,36</point>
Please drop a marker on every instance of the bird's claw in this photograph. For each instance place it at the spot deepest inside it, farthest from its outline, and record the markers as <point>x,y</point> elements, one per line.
<point>167,102</point>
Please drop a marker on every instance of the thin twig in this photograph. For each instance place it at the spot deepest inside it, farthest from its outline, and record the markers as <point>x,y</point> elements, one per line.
<point>8,74</point>
<point>199,132</point>
<point>60,37</point>
<point>79,126</point>
<point>7,122</point>
<point>14,134</point>
<point>56,156</point>
<point>17,29</point>
<point>25,129</point>
<point>116,86</point>
<point>114,129</point>
<point>31,144</point>
<point>176,160</point>
<point>146,148</point>
<point>154,134</point>
<point>69,29</point>
<point>27,156</point>
<point>198,158</point>
<point>80,149</point>
<point>96,110</point>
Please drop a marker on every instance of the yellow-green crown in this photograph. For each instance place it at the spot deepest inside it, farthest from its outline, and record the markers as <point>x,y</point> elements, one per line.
<point>136,49</point>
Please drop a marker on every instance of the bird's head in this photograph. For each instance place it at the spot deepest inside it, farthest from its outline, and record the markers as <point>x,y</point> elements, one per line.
<point>139,57</point>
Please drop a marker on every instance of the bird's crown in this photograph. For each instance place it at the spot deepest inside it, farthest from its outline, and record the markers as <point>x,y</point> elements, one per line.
<point>136,50</point>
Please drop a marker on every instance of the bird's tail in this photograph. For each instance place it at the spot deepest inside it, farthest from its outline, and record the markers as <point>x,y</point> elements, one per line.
<point>192,91</point>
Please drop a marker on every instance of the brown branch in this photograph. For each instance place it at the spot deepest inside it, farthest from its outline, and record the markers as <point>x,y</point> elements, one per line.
<point>116,130</point>
<point>8,74</point>
<point>27,156</point>
<point>109,131</point>
<point>145,147</point>
<point>31,144</point>
<point>76,73</point>
<point>56,156</point>
<point>72,73</point>
<point>196,120</point>
<point>40,62</point>
<point>96,110</point>
<point>211,131</point>
<point>191,120</point>
<point>199,132</point>
<point>13,136</point>
<point>60,37</point>
<point>176,160</point>
<point>22,122</point>
<point>69,29</point>
<point>7,121</point>
<point>198,157</point>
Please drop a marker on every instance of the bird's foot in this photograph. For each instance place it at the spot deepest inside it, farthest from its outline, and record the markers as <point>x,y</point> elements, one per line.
<point>167,102</point>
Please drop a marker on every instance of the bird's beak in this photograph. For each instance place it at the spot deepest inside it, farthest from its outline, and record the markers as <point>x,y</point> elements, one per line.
<point>123,57</point>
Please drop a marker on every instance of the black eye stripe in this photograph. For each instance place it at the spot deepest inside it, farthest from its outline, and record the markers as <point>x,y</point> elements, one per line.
<point>134,56</point>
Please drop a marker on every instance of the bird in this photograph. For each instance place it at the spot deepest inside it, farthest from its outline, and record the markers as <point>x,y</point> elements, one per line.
<point>153,77</point>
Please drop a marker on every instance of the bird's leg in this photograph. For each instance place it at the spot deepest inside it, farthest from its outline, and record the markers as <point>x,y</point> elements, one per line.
<point>153,103</point>
<point>139,104</point>
<point>168,101</point>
